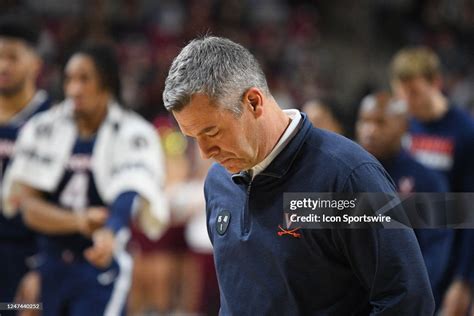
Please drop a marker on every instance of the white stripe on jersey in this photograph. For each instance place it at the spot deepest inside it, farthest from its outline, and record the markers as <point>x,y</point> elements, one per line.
<point>122,283</point>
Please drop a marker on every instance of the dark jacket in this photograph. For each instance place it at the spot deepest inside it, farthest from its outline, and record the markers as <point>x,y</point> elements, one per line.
<point>325,272</point>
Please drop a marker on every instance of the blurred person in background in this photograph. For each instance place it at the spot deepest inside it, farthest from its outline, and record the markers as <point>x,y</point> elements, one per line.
<point>201,291</point>
<point>323,116</point>
<point>20,99</point>
<point>157,274</point>
<point>381,124</point>
<point>176,273</point>
<point>442,139</point>
<point>79,173</point>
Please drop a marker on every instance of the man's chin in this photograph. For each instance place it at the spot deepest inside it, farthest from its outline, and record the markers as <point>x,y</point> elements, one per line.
<point>233,170</point>
<point>80,114</point>
<point>232,166</point>
<point>11,90</point>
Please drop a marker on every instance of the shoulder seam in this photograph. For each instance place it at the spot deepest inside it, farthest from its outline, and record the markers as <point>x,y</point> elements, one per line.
<point>356,167</point>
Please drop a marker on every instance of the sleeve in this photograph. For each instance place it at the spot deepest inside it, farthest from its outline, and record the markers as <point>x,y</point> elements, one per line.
<point>13,171</point>
<point>465,260</point>
<point>208,211</point>
<point>26,164</point>
<point>41,150</point>
<point>31,163</point>
<point>137,165</point>
<point>121,211</point>
<point>388,262</point>
<point>465,171</point>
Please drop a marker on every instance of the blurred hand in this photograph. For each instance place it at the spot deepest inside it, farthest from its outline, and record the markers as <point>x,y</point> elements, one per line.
<point>102,250</point>
<point>92,219</point>
<point>457,299</point>
<point>28,292</point>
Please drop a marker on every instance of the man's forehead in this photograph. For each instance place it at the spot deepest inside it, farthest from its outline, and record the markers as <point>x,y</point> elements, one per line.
<point>192,122</point>
<point>12,42</point>
<point>412,82</point>
<point>382,104</point>
<point>197,129</point>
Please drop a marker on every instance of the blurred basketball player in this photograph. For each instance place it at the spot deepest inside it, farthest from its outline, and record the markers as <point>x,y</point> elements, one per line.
<point>20,65</point>
<point>79,172</point>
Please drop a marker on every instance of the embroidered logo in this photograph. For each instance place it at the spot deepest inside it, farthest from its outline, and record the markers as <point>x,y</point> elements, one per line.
<point>291,232</point>
<point>222,222</point>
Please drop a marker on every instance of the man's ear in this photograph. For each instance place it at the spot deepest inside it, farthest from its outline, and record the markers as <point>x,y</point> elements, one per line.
<point>254,99</point>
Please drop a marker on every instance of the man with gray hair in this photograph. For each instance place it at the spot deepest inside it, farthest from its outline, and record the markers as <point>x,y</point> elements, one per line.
<point>218,94</point>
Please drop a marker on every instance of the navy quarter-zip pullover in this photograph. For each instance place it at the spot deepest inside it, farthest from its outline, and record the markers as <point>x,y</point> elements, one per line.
<point>324,272</point>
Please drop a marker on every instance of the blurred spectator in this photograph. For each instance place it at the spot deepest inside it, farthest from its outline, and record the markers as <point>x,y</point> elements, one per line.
<point>302,45</point>
<point>322,116</point>
<point>381,124</point>
<point>203,297</point>
<point>158,263</point>
<point>442,139</point>
<point>176,273</point>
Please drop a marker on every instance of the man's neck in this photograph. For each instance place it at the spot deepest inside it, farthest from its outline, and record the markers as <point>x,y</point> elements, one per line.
<point>278,122</point>
<point>10,105</point>
<point>88,125</point>
<point>391,153</point>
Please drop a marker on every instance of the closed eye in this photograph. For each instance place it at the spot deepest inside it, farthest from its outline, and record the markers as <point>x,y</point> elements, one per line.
<point>213,133</point>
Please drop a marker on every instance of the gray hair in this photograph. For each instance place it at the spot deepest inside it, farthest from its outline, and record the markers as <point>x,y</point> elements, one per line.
<point>214,66</point>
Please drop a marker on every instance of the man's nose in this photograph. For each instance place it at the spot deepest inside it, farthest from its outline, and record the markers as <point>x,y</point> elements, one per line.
<point>370,129</point>
<point>208,151</point>
<point>73,89</point>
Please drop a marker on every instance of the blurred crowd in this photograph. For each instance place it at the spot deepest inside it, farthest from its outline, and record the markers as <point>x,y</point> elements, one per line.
<point>321,57</point>
<point>308,49</point>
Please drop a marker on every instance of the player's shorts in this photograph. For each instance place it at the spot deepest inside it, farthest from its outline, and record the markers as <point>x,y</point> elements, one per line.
<point>70,285</point>
<point>209,291</point>
<point>13,266</point>
<point>172,241</point>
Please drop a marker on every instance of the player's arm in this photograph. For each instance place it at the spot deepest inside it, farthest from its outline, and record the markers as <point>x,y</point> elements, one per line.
<point>104,239</point>
<point>48,218</point>
<point>388,262</point>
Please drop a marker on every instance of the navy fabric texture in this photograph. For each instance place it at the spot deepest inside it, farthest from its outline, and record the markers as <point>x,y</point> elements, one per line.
<point>324,272</point>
